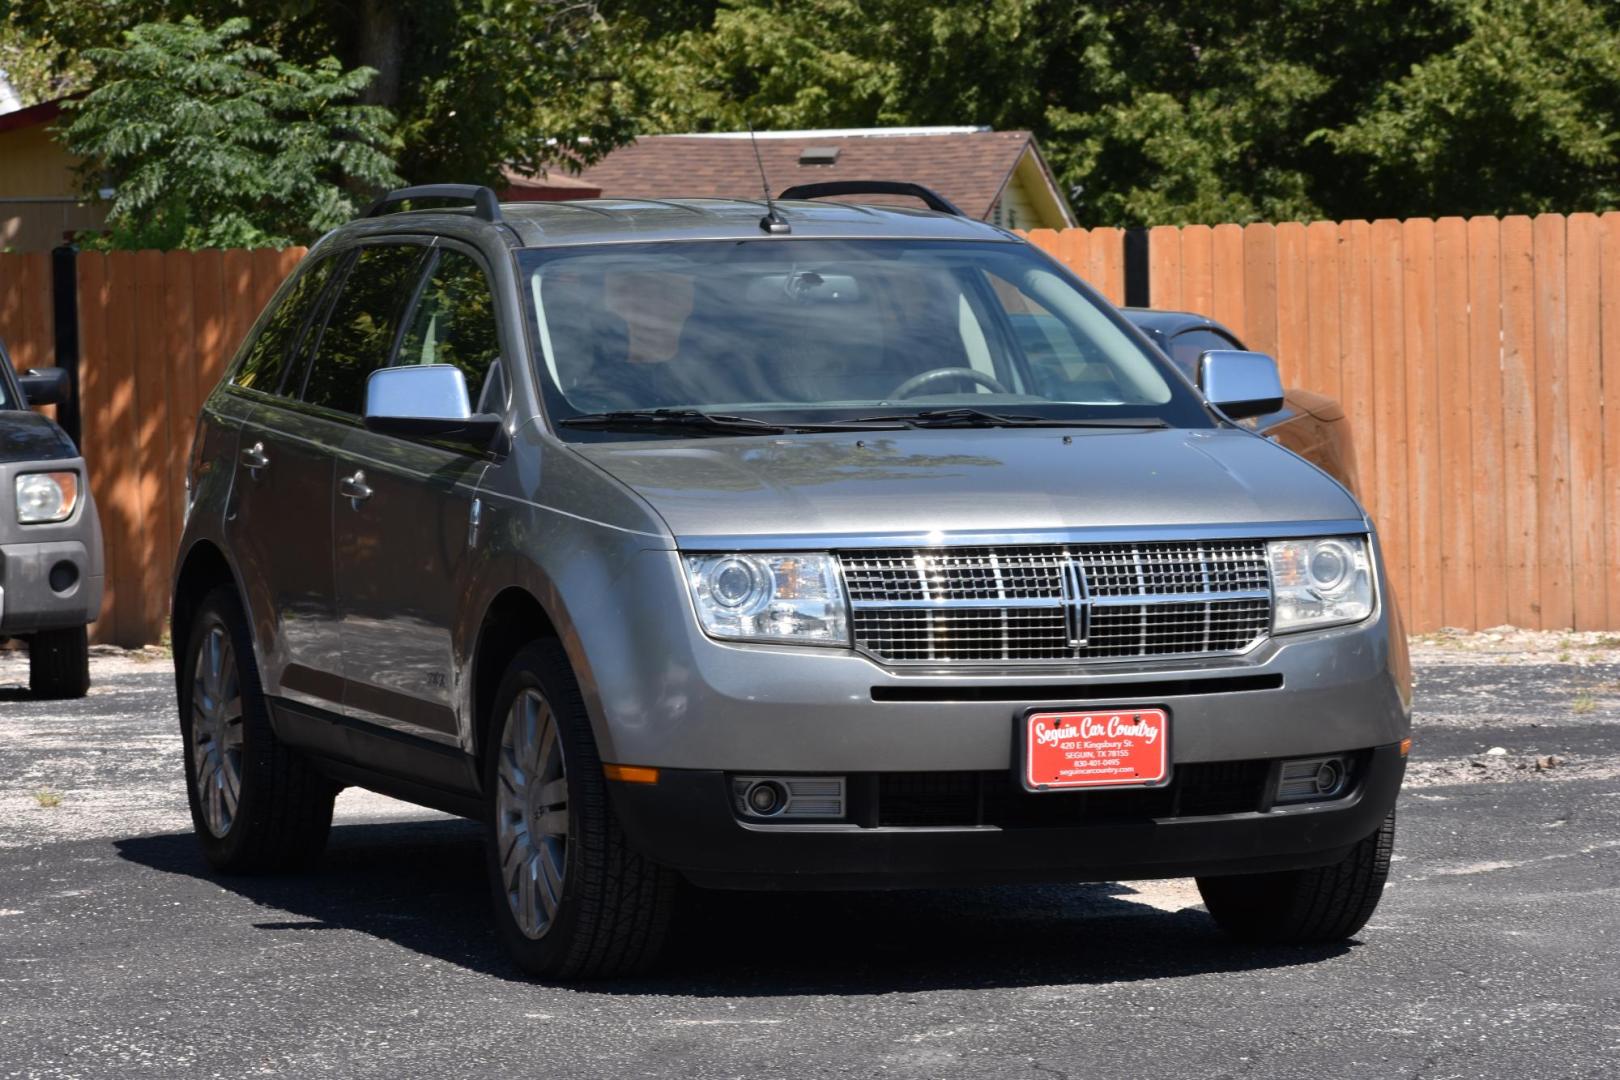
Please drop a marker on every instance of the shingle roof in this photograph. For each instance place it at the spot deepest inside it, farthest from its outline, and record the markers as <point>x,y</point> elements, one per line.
<point>967,167</point>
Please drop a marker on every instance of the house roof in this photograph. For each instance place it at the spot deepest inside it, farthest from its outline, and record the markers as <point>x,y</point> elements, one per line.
<point>968,166</point>
<point>42,113</point>
<point>548,186</point>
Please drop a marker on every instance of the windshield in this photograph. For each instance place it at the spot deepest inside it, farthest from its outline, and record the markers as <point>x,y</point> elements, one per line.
<point>829,331</point>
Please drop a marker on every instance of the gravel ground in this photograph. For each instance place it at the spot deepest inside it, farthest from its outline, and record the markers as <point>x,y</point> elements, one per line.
<point>121,954</point>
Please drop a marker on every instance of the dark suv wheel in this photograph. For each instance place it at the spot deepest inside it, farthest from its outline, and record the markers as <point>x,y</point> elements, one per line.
<point>59,663</point>
<point>571,899</point>
<point>255,804</point>
<point>1296,907</point>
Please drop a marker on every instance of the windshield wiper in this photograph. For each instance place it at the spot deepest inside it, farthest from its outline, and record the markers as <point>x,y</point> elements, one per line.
<point>968,417</point>
<point>672,420</point>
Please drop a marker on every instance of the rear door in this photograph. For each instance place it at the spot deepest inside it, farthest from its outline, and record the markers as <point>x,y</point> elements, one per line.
<point>404,531</point>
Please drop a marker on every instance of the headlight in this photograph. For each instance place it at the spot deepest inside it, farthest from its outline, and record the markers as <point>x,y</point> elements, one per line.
<point>47,496</point>
<point>785,598</point>
<point>1320,583</point>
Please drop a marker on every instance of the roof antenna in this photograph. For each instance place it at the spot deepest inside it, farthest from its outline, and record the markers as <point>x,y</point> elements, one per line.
<point>772,222</point>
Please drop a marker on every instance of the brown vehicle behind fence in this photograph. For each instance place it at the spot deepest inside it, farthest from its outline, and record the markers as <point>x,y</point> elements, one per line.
<point>1471,356</point>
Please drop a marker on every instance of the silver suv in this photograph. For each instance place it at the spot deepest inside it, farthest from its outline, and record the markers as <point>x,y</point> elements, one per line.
<point>806,545</point>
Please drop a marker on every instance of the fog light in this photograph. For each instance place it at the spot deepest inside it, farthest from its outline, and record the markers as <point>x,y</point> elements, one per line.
<point>789,796</point>
<point>1309,779</point>
<point>63,576</point>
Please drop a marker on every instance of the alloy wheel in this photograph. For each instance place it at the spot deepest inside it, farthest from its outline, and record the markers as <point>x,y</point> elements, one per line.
<point>531,806</point>
<point>216,729</point>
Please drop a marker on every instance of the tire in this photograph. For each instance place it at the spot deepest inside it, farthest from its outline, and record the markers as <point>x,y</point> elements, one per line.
<point>572,899</point>
<point>282,811</point>
<point>1297,907</point>
<point>59,663</point>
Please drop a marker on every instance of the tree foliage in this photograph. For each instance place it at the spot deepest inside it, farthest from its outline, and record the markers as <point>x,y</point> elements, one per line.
<point>1150,111</point>
<point>1172,111</point>
<point>207,140</point>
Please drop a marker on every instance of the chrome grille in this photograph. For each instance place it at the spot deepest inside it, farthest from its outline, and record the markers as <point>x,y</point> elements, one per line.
<point>1057,603</point>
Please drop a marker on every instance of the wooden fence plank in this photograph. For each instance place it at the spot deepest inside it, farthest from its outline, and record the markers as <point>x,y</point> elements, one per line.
<point>1164,267</point>
<point>1550,393</point>
<point>1355,350</point>
<point>1389,406</point>
<point>152,400</point>
<point>1198,269</point>
<point>1609,317</point>
<point>1587,505</point>
<point>213,322</point>
<point>1454,391</point>
<point>180,355</point>
<point>1108,263</point>
<point>1293,306</point>
<point>1260,288</point>
<point>121,511</point>
<point>1227,278</point>
<point>1519,421</point>
<point>1322,282</point>
<point>94,411</point>
<point>1426,524</point>
<point>1487,420</point>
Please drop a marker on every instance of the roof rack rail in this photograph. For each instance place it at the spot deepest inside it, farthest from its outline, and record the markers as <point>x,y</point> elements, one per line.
<point>933,200</point>
<point>483,200</point>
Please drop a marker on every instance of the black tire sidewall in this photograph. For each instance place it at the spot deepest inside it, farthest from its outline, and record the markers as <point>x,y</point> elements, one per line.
<point>222,607</point>
<point>543,667</point>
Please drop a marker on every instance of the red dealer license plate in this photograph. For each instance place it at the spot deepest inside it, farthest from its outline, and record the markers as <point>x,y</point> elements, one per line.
<point>1108,748</point>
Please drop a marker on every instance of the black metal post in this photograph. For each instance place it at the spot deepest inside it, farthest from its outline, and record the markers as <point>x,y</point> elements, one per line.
<point>65,314</point>
<point>1136,268</point>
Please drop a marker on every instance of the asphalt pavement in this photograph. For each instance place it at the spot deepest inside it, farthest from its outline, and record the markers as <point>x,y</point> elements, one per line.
<point>1494,953</point>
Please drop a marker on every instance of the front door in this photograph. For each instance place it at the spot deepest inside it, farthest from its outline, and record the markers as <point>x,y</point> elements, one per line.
<point>279,521</point>
<point>404,524</point>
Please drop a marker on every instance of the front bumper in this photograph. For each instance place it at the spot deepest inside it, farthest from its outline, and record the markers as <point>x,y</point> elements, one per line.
<point>686,821</point>
<point>28,600</point>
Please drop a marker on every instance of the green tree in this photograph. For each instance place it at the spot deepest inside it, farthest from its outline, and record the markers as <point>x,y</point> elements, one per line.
<point>475,84</point>
<point>1521,114</point>
<point>209,141</point>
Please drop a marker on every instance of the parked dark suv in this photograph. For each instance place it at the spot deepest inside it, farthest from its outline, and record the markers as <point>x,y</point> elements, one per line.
<point>744,545</point>
<point>50,537</point>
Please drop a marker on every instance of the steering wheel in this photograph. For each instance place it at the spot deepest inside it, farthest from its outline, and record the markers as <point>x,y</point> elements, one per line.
<point>926,378</point>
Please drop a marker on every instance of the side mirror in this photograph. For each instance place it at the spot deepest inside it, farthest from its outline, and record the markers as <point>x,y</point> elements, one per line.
<point>45,386</point>
<point>1240,384</point>
<point>427,401</point>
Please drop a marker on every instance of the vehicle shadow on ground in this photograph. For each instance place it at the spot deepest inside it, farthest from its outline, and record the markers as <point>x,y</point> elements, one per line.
<point>420,885</point>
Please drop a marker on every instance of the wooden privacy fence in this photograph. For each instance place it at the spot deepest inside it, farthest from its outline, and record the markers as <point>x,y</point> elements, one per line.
<point>1479,363</point>
<point>155,330</point>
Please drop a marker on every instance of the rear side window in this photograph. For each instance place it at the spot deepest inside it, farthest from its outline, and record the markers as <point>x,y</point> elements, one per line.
<point>454,321</point>
<point>1187,347</point>
<point>265,365</point>
<point>360,330</point>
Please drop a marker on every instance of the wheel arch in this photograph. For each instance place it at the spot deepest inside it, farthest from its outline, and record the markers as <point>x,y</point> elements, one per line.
<point>203,569</point>
<point>513,618</point>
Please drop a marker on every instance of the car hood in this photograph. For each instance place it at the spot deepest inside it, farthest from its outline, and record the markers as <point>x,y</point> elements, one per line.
<point>30,436</point>
<point>985,481</point>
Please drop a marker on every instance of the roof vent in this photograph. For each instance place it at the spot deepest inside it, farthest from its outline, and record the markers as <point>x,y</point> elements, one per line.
<point>818,155</point>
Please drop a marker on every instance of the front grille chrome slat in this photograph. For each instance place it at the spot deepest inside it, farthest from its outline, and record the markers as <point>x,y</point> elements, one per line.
<point>1059,603</point>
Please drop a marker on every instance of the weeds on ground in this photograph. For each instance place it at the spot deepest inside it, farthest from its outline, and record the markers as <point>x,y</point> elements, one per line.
<point>48,799</point>
<point>1583,704</point>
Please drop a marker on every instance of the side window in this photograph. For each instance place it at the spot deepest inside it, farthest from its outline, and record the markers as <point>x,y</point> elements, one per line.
<point>360,329</point>
<point>1187,347</point>
<point>265,365</point>
<point>454,321</point>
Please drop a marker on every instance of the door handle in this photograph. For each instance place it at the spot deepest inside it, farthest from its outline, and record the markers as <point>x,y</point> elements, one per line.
<point>254,457</point>
<point>355,488</point>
